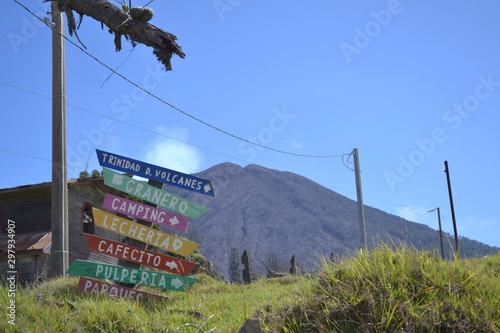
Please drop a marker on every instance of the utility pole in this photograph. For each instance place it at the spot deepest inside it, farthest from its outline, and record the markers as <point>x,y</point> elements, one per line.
<point>440,230</point>
<point>59,248</point>
<point>447,171</point>
<point>359,192</point>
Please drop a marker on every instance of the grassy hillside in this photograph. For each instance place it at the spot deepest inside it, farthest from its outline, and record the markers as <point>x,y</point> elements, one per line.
<point>383,290</point>
<point>400,291</point>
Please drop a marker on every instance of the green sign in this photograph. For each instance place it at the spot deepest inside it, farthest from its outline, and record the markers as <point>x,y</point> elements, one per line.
<point>154,195</point>
<point>140,277</point>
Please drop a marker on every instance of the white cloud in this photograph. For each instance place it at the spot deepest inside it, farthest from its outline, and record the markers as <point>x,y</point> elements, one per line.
<point>411,213</point>
<point>170,150</point>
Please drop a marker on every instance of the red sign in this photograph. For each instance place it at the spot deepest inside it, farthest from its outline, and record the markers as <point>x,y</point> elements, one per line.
<point>140,256</point>
<point>95,286</point>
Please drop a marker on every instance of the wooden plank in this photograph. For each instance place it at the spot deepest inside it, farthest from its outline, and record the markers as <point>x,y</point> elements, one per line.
<point>140,256</point>
<point>86,285</point>
<point>154,172</point>
<point>154,195</point>
<point>146,213</point>
<point>142,233</point>
<point>129,275</point>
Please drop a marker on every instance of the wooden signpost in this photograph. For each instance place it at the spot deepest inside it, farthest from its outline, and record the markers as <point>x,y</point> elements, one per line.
<point>128,275</point>
<point>172,211</point>
<point>145,212</point>
<point>140,256</point>
<point>154,172</point>
<point>87,285</point>
<point>154,195</point>
<point>142,233</point>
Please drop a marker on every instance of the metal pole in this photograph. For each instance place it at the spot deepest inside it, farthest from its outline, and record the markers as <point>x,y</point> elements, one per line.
<point>359,192</point>
<point>447,171</point>
<point>59,247</point>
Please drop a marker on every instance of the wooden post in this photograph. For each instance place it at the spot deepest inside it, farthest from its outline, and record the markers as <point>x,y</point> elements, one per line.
<point>246,260</point>
<point>359,191</point>
<point>452,207</point>
<point>59,248</point>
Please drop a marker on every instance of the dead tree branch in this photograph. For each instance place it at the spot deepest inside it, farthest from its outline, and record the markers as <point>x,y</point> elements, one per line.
<point>121,23</point>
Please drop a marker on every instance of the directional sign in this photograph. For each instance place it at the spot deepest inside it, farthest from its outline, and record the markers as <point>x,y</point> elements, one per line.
<point>142,233</point>
<point>150,171</point>
<point>130,275</point>
<point>87,285</point>
<point>154,195</point>
<point>140,256</point>
<point>146,213</point>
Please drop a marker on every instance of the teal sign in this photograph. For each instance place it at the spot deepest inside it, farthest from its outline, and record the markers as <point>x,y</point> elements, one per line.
<point>153,194</point>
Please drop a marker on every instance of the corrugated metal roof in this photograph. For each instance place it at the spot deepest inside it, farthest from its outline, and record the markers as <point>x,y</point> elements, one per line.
<point>30,243</point>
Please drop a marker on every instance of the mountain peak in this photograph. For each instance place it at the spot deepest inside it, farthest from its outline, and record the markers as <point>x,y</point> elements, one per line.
<point>270,212</point>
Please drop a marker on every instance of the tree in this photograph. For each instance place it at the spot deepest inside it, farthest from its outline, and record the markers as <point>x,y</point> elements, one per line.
<point>234,266</point>
<point>122,22</point>
<point>274,263</point>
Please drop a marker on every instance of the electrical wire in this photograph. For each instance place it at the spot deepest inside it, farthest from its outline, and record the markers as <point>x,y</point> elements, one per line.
<point>344,162</point>
<point>231,202</point>
<point>185,142</point>
<point>172,106</point>
<point>26,155</point>
<point>127,124</point>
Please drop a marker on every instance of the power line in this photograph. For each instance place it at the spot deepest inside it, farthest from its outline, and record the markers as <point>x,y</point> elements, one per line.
<point>226,200</point>
<point>185,142</point>
<point>27,155</point>
<point>176,108</point>
<point>126,123</point>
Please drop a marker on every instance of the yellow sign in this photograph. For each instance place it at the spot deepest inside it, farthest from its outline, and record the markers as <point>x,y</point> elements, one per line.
<point>144,234</point>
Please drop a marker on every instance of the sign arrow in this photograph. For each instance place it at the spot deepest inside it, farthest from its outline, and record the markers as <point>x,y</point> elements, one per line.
<point>207,188</point>
<point>176,283</point>
<point>173,220</point>
<point>117,179</point>
<point>171,264</point>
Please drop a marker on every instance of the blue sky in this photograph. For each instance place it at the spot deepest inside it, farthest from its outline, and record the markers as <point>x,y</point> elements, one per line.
<point>409,83</point>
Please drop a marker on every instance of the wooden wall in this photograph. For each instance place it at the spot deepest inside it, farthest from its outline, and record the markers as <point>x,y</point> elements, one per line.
<point>30,207</point>
<point>90,191</point>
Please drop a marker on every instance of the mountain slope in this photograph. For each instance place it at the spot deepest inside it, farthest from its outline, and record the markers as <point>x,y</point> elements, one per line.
<point>276,213</point>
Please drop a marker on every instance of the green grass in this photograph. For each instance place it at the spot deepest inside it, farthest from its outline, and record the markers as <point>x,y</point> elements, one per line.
<point>382,290</point>
<point>57,306</point>
<point>403,290</point>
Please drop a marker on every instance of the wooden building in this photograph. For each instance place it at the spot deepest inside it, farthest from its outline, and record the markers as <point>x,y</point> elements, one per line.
<point>27,210</point>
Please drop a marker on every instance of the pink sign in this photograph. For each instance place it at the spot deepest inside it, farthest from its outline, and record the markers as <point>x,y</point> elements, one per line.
<point>145,212</point>
<point>95,286</point>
